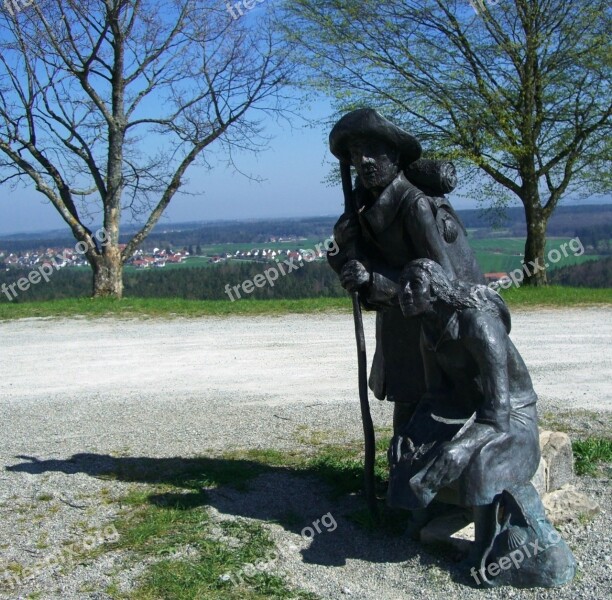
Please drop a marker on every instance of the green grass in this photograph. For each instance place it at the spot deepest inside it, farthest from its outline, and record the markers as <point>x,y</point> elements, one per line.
<point>212,569</point>
<point>496,255</point>
<point>166,521</point>
<point>590,453</point>
<point>167,307</point>
<point>340,466</point>
<point>559,296</point>
<point>577,423</point>
<point>171,307</point>
<point>169,515</point>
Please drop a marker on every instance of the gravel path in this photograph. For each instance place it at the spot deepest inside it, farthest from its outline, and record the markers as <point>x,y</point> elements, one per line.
<point>78,395</point>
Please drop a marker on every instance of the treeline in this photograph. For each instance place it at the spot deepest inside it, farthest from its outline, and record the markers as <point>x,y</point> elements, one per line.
<point>598,237</point>
<point>202,283</point>
<point>241,232</point>
<point>198,283</point>
<point>593,274</point>
<point>192,234</point>
<point>567,221</point>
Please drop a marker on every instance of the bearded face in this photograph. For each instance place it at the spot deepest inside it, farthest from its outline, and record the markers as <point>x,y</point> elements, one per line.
<point>376,162</point>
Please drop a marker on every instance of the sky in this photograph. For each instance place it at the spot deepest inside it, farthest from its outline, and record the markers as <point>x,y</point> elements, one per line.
<point>293,170</point>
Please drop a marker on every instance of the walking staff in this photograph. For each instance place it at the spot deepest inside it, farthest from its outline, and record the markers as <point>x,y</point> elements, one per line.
<point>366,417</point>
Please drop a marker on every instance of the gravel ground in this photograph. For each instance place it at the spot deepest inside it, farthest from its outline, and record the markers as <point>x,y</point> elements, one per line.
<point>78,397</point>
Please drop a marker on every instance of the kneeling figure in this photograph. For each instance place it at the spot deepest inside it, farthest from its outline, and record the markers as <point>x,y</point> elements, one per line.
<point>473,440</point>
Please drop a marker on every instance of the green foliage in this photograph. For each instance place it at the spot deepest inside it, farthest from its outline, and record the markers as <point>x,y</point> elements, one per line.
<point>460,79</point>
<point>313,280</point>
<point>590,452</point>
<point>517,92</point>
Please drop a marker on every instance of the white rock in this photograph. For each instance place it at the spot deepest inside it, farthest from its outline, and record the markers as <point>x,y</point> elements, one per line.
<point>568,504</point>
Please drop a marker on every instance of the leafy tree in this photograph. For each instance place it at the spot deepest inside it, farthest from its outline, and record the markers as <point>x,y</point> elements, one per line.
<point>519,90</point>
<point>105,104</point>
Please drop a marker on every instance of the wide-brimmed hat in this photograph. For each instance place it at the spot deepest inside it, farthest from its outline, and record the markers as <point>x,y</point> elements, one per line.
<point>366,122</point>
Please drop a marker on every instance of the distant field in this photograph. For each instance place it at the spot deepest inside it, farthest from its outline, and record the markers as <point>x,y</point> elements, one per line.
<point>494,255</point>
<point>497,255</point>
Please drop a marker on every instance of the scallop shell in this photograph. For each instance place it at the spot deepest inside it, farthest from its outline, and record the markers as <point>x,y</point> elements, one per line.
<point>517,537</point>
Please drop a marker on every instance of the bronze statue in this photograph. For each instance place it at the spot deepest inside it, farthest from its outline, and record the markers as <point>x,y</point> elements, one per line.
<point>465,420</point>
<point>398,213</point>
<point>473,439</point>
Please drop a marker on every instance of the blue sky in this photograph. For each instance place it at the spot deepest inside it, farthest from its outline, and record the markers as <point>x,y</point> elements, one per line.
<point>293,169</point>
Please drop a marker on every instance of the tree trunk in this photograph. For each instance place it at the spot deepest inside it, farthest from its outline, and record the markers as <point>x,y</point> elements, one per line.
<point>534,261</point>
<point>108,275</point>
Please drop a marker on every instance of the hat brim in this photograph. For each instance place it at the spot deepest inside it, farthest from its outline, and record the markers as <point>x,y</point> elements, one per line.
<point>367,123</point>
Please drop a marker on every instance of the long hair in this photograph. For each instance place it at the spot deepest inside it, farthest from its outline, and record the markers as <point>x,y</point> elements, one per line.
<point>459,295</point>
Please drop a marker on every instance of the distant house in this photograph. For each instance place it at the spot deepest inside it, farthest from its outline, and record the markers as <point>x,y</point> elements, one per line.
<point>500,278</point>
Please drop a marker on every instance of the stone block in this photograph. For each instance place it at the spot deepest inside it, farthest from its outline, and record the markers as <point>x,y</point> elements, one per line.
<point>556,449</point>
<point>568,504</point>
<point>539,479</point>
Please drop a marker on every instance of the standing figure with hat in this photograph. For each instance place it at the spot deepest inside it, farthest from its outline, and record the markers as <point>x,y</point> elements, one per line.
<point>395,213</point>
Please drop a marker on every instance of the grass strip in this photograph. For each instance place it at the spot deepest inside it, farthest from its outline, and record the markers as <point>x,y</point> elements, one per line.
<point>174,307</point>
<point>167,307</point>
<point>192,562</point>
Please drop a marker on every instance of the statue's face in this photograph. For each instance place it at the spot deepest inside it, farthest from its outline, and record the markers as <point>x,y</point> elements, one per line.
<point>415,296</point>
<point>376,162</point>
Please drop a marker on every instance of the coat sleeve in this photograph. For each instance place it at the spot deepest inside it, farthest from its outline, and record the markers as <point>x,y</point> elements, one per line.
<point>347,236</point>
<point>422,233</point>
<point>383,288</point>
<point>487,341</point>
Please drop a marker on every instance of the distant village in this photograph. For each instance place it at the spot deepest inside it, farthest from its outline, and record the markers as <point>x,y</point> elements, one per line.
<point>268,254</point>
<point>56,257</point>
<point>157,258</point>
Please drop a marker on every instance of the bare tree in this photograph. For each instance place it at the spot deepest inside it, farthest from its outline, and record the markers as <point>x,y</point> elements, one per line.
<point>105,104</point>
<point>519,89</point>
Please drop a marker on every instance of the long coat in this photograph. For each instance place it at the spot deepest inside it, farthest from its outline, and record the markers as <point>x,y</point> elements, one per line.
<point>403,224</point>
<point>475,375</point>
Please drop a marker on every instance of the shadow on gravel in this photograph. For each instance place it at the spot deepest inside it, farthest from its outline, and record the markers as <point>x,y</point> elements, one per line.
<point>297,499</point>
